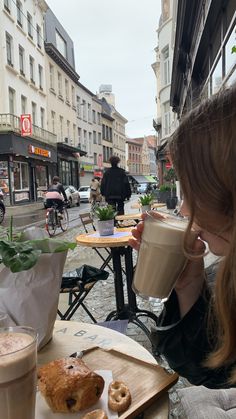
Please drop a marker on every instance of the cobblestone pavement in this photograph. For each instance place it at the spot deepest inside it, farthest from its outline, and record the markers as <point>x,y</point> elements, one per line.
<point>102,300</point>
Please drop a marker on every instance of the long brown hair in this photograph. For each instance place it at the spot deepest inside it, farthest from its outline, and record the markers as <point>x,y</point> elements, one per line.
<point>203,151</point>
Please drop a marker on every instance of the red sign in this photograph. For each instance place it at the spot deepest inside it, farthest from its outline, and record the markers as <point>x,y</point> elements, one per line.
<point>97,173</point>
<point>39,151</point>
<point>26,125</point>
<point>168,165</point>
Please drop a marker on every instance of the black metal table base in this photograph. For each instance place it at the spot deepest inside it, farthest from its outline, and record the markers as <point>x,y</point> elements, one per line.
<point>128,311</point>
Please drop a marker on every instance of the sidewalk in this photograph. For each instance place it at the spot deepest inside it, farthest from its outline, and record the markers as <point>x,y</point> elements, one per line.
<point>25,214</point>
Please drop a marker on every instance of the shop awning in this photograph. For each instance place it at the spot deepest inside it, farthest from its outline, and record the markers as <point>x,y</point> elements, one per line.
<point>139,178</point>
<point>151,179</point>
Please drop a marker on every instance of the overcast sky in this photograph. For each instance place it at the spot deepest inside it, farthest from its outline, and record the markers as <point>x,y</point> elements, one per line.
<point>114,43</point>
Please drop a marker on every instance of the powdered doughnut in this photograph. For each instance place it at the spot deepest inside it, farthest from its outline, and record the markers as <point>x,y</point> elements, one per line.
<point>119,397</point>
<point>96,414</point>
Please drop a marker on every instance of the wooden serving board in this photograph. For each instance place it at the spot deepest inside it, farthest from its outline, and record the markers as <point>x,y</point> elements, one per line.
<point>146,381</point>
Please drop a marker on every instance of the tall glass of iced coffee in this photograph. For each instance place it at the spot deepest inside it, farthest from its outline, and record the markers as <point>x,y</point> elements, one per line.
<point>161,258</point>
<point>18,352</point>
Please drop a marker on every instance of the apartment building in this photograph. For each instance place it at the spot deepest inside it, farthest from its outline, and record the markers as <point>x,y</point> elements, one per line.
<point>61,82</point>
<point>89,125</point>
<point>26,161</point>
<point>166,121</point>
<point>107,132</point>
<point>141,159</point>
<point>206,62</point>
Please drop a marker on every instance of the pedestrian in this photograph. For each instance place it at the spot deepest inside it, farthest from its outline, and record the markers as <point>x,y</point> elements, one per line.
<point>115,185</point>
<point>56,195</point>
<point>196,330</point>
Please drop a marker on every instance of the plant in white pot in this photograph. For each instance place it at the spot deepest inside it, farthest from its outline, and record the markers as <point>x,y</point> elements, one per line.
<point>146,201</point>
<point>106,216</point>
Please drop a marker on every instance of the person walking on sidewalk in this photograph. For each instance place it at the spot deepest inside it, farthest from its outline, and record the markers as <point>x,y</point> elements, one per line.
<point>115,186</point>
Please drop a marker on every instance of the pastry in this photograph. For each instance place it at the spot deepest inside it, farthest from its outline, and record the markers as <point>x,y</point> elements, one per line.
<point>68,385</point>
<point>96,414</point>
<point>119,397</point>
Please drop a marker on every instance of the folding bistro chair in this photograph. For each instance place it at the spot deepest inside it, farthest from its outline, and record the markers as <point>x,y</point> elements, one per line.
<point>87,220</point>
<point>78,283</point>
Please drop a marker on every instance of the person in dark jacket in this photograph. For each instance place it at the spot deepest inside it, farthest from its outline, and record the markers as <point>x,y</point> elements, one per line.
<point>196,331</point>
<point>115,186</point>
<point>55,195</point>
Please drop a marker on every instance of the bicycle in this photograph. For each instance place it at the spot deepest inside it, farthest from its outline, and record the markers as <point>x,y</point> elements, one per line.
<point>53,221</point>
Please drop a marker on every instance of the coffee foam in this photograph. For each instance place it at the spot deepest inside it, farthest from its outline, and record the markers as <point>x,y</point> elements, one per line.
<point>17,355</point>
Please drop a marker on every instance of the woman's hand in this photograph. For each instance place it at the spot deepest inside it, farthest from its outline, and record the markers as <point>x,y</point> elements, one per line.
<point>138,230</point>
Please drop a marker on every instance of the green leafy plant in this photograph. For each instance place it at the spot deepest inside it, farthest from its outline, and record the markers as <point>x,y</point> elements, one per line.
<point>19,254</point>
<point>146,199</point>
<point>105,213</point>
<point>164,188</point>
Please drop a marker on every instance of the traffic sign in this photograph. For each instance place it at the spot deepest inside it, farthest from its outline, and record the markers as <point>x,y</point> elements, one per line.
<point>26,125</point>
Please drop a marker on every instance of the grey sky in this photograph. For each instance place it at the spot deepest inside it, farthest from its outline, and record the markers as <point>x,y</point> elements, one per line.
<point>114,43</point>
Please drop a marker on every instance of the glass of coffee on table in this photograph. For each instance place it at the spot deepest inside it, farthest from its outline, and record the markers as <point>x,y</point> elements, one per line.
<point>161,257</point>
<point>18,355</point>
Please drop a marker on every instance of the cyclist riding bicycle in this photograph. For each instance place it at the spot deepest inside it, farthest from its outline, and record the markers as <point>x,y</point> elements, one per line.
<point>55,195</point>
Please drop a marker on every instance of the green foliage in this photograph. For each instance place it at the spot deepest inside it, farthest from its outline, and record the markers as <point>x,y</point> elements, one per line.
<point>146,199</point>
<point>170,175</point>
<point>165,188</point>
<point>20,255</point>
<point>233,49</point>
<point>105,213</point>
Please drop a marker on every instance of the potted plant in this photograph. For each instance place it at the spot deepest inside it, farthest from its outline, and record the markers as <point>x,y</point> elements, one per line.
<point>164,192</point>
<point>106,216</point>
<point>146,201</point>
<point>170,177</point>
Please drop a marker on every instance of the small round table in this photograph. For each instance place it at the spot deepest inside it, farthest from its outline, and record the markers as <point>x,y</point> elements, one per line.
<point>72,336</point>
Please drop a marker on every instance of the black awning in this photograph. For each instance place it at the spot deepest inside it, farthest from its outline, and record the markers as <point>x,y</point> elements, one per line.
<point>69,149</point>
<point>139,178</point>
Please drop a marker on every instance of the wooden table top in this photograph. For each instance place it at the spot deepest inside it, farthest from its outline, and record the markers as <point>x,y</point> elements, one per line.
<point>137,205</point>
<point>136,216</point>
<point>72,336</point>
<point>120,238</point>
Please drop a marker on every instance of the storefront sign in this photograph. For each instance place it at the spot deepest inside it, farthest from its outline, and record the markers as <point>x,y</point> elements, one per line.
<point>88,167</point>
<point>26,124</point>
<point>97,173</point>
<point>39,151</point>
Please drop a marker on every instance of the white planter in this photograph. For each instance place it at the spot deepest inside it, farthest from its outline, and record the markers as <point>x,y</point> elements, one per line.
<point>105,228</point>
<point>146,208</point>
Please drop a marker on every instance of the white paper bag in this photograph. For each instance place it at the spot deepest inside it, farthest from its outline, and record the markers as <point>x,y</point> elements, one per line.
<point>31,297</point>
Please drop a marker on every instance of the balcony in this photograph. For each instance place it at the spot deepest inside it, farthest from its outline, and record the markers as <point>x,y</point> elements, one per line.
<point>157,124</point>
<point>11,123</point>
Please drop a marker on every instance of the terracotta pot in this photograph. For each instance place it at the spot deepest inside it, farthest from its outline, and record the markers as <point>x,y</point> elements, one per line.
<point>105,228</point>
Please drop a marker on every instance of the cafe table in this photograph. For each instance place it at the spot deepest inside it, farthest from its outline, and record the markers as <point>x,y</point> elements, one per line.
<point>72,336</point>
<point>119,245</point>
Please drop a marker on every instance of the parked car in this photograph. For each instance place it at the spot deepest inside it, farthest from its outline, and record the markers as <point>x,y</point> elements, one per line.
<point>84,193</point>
<point>72,194</point>
<point>142,188</point>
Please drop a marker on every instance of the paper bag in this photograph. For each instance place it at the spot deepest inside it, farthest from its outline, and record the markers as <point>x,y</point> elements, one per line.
<point>31,297</point>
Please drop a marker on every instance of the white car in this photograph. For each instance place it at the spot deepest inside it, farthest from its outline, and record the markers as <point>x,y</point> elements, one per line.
<point>84,193</point>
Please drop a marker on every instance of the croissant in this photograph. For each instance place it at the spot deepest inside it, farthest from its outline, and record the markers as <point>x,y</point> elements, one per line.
<point>68,385</point>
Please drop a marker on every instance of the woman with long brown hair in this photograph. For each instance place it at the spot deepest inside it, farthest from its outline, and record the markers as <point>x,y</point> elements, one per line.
<point>197,328</point>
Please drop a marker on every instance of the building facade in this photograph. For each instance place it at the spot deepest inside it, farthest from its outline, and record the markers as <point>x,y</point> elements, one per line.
<point>141,159</point>
<point>26,161</point>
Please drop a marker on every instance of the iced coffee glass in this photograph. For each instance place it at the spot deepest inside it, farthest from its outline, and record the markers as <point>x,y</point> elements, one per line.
<point>161,258</point>
<point>18,354</point>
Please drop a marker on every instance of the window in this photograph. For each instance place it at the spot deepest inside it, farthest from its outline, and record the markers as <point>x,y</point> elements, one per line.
<point>53,115</point>
<point>30,25</point>
<point>59,78</point>
<point>61,45</point>
<point>89,112</point>
<point>166,65</point>
<point>85,140</point>
<point>94,117</point>
<point>73,95</point>
<point>42,117</point>
<point>40,77</point>
<point>21,176</point>
<point>61,127</point>
<point>79,137</point>
<point>39,36</point>
<point>9,48</point>
<point>99,118</point>
<point>166,107</point>
<point>34,115</point>
<point>90,144</point>
<point>19,13</point>
<point>23,104</point>
<point>68,129</point>
<point>67,90</point>
<point>7,6</point>
<point>74,131</point>
<point>22,60</point>
<point>94,137</point>
<point>11,96</point>
<point>84,110</point>
<point>95,158</point>
<point>51,73</point>
<point>78,105</point>
<point>230,59</point>
<point>99,138</point>
<point>31,64</point>
<point>217,77</point>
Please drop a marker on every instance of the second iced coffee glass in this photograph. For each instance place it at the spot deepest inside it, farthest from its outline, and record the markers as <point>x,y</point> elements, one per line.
<point>161,258</point>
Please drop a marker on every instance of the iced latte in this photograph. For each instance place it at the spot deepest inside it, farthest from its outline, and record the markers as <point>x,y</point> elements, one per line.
<point>18,349</point>
<point>161,258</point>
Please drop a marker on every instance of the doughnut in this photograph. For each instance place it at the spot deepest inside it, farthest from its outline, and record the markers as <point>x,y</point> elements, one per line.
<point>119,397</point>
<point>96,414</point>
